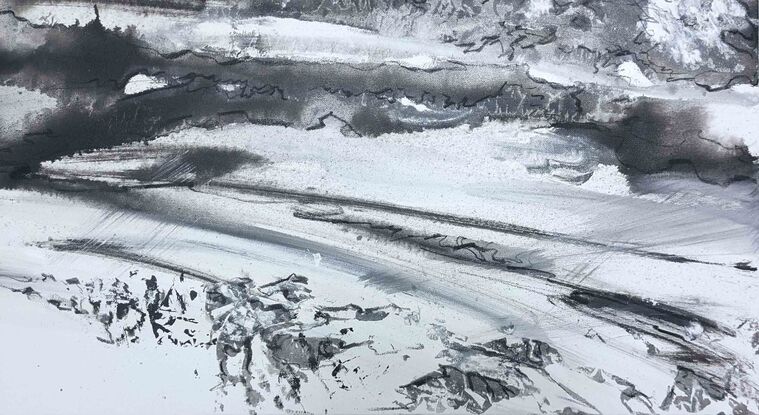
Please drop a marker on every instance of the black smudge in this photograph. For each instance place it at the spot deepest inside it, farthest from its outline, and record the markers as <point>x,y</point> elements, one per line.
<point>654,137</point>
<point>629,304</point>
<point>199,163</point>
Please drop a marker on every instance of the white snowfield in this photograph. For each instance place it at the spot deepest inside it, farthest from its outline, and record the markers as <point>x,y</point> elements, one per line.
<point>508,267</point>
<point>243,225</point>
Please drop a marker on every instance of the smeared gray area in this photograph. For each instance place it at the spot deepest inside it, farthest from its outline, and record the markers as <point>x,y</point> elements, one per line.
<point>85,68</point>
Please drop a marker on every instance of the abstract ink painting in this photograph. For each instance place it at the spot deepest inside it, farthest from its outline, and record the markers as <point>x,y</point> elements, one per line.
<point>379,207</point>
